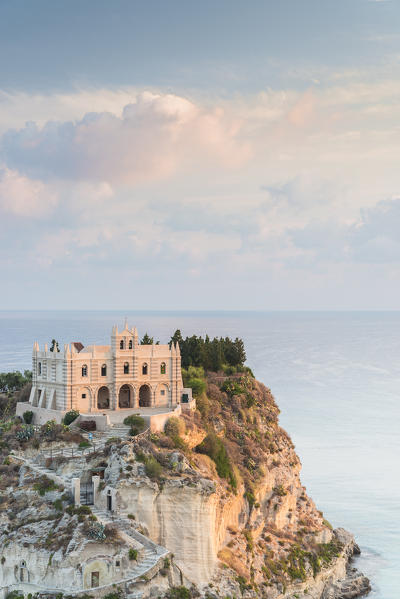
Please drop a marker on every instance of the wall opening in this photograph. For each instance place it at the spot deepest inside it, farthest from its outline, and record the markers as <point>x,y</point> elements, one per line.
<point>95,579</point>
<point>144,396</point>
<point>103,398</point>
<point>124,398</point>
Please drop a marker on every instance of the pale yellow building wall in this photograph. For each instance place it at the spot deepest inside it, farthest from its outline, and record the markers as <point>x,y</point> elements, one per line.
<point>59,382</point>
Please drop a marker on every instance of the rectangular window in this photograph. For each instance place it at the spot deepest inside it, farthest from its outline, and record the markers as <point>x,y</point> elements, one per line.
<point>162,391</point>
<point>95,579</point>
<point>83,395</point>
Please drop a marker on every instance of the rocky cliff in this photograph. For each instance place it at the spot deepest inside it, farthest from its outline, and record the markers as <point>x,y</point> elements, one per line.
<point>219,489</point>
<point>228,502</point>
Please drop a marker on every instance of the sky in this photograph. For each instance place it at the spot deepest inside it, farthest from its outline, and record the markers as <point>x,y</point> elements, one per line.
<point>200,155</point>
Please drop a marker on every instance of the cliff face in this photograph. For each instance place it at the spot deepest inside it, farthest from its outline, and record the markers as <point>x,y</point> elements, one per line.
<point>220,490</point>
<point>229,503</point>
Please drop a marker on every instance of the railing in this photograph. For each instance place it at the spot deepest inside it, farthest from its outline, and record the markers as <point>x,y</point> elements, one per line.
<point>72,452</point>
<point>139,436</point>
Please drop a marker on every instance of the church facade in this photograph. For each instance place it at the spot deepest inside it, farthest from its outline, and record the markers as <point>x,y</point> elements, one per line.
<point>102,378</point>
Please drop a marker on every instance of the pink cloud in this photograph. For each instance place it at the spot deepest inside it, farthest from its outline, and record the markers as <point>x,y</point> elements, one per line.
<point>153,138</point>
<point>22,196</point>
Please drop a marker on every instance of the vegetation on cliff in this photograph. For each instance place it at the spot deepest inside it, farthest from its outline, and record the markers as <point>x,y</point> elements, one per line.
<point>283,538</point>
<point>211,354</point>
<point>232,441</point>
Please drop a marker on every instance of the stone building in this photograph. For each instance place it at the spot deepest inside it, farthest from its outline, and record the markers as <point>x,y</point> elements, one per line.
<point>107,378</point>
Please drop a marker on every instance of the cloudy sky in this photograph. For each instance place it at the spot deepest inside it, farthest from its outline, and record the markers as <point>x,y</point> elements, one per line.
<point>200,155</point>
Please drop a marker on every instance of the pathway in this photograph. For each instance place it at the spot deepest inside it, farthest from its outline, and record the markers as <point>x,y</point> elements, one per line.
<point>151,556</point>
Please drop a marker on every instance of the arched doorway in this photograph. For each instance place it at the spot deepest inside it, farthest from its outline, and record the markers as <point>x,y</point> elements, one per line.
<point>144,396</point>
<point>103,398</point>
<point>124,397</point>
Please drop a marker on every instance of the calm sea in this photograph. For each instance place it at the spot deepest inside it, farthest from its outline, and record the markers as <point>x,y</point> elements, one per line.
<point>336,378</point>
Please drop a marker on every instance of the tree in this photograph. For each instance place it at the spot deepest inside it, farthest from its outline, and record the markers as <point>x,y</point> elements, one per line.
<point>210,354</point>
<point>147,340</point>
<point>240,352</point>
<point>13,381</point>
<point>54,346</point>
<point>176,338</point>
<point>216,355</point>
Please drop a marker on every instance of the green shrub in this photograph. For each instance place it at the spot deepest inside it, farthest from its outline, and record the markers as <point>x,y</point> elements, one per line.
<point>80,510</point>
<point>140,456</point>
<point>118,594</point>
<point>249,538</point>
<point>84,444</point>
<point>13,381</point>
<point>58,505</point>
<point>192,372</point>
<point>49,428</point>
<point>179,443</point>
<point>70,416</point>
<point>113,440</point>
<point>133,554</point>
<point>136,422</point>
<point>249,495</point>
<point>203,405</point>
<point>174,427</point>
<point>280,491</point>
<point>153,468</point>
<point>15,595</point>
<point>179,593</point>
<point>232,387</point>
<point>198,386</point>
<point>44,485</point>
<point>327,524</point>
<point>28,417</point>
<point>214,447</point>
<point>25,432</point>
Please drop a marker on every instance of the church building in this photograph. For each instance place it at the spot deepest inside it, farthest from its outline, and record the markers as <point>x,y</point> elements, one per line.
<point>103,378</point>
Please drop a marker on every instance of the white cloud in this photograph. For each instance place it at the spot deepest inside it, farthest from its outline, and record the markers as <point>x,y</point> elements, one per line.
<point>153,138</point>
<point>25,197</point>
<point>163,187</point>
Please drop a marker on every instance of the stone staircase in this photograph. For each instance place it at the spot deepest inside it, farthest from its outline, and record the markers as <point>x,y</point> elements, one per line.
<point>150,553</point>
<point>42,470</point>
<point>100,438</point>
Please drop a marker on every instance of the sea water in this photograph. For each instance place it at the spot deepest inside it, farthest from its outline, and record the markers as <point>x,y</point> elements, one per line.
<point>336,379</point>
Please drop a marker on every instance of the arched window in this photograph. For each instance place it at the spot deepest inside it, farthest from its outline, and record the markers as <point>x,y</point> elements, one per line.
<point>121,344</point>
<point>126,368</point>
<point>130,344</point>
<point>39,368</point>
<point>104,370</point>
<point>163,368</point>
<point>144,368</point>
<point>84,370</point>
<point>23,572</point>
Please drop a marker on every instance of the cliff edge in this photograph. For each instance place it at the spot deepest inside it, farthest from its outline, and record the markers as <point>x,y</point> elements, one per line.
<point>217,495</point>
<point>221,490</point>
